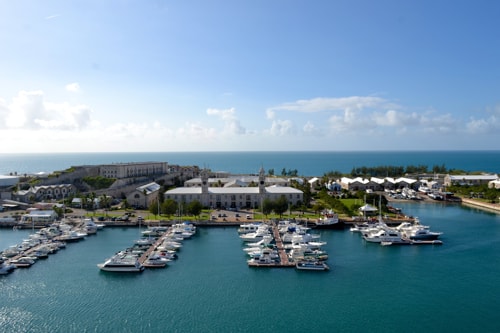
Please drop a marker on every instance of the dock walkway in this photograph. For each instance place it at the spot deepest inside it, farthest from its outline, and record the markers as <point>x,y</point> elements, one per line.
<point>284,262</point>
<point>152,248</point>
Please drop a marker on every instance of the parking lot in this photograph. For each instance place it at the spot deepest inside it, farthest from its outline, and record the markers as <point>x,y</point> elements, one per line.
<point>228,215</point>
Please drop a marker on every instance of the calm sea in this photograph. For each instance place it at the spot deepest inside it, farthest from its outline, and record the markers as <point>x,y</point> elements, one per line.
<point>306,163</point>
<point>453,287</point>
<point>370,288</point>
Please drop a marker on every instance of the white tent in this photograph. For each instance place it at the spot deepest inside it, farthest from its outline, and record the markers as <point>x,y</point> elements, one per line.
<point>367,209</point>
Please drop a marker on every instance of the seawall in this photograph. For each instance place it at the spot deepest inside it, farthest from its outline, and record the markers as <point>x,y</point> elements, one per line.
<point>483,205</point>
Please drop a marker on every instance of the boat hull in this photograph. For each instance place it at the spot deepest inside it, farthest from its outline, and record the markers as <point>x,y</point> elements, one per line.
<point>122,269</point>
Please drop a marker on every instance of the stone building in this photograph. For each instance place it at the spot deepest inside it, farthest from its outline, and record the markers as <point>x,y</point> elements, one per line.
<point>234,196</point>
<point>129,170</point>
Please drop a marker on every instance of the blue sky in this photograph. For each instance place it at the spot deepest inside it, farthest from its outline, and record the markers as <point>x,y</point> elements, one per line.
<point>151,75</point>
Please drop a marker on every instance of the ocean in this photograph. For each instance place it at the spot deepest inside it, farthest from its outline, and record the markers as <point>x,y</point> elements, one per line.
<point>307,164</point>
<point>210,288</point>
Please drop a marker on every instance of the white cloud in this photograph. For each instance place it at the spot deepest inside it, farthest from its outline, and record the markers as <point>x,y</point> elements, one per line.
<point>30,110</point>
<point>309,128</point>
<point>282,127</point>
<point>270,114</point>
<point>51,17</point>
<point>196,131</point>
<point>483,126</point>
<point>231,123</point>
<point>332,104</point>
<point>73,87</point>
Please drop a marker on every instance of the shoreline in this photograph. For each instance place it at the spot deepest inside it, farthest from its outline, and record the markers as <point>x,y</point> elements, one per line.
<point>482,205</point>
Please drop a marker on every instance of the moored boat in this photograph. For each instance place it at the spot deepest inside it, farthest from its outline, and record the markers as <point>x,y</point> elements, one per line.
<point>6,268</point>
<point>122,263</point>
<point>311,265</point>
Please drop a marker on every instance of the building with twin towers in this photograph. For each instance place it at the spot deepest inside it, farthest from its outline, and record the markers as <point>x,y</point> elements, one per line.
<point>235,192</point>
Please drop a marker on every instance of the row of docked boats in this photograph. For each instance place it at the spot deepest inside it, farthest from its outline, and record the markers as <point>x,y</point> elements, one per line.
<point>285,244</point>
<point>404,234</point>
<point>155,249</point>
<point>44,242</point>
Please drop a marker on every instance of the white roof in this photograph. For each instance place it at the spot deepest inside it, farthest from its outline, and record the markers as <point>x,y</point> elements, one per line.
<point>473,177</point>
<point>368,208</point>
<point>233,190</point>
<point>149,188</point>
<point>406,180</point>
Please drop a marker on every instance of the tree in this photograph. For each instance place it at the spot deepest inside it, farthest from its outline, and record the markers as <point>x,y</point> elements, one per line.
<point>267,207</point>
<point>153,207</point>
<point>169,207</point>
<point>194,208</point>
<point>104,200</point>
<point>318,207</point>
<point>280,205</point>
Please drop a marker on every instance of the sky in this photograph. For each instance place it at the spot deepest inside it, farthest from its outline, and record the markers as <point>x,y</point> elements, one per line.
<point>260,75</point>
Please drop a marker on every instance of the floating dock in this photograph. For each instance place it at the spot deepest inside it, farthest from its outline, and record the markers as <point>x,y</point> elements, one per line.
<point>284,262</point>
<point>413,242</point>
<point>142,259</point>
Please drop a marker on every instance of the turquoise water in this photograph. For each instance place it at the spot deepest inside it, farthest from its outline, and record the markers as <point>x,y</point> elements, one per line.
<point>307,163</point>
<point>453,287</point>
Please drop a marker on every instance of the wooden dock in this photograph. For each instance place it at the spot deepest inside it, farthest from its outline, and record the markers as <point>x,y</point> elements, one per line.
<point>284,262</point>
<point>152,248</point>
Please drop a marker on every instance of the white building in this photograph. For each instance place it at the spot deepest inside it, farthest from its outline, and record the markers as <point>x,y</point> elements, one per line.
<point>40,216</point>
<point>127,170</point>
<point>45,192</point>
<point>7,181</point>
<point>234,196</point>
<point>144,195</point>
<point>469,179</point>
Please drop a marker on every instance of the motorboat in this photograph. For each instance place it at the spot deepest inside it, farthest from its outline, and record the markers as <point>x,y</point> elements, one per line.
<point>328,220</point>
<point>22,262</point>
<point>255,236</point>
<point>310,265</point>
<point>417,231</point>
<point>155,260</point>
<point>72,236</point>
<point>91,227</point>
<point>6,268</point>
<point>122,262</point>
<point>423,234</point>
<point>385,235</point>
<point>263,242</point>
<point>145,241</point>
<point>265,252</point>
<point>261,261</point>
<point>248,228</point>
<point>360,227</point>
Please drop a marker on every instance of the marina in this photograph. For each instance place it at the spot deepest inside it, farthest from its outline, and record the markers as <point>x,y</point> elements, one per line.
<point>213,279</point>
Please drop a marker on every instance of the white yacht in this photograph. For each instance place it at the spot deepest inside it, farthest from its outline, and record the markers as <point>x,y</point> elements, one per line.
<point>311,265</point>
<point>328,220</point>
<point>257,235</point>
<point>417,231</point>
<point>385,235</point>
<point>156,261</point>
<point>6,268</point>
<point>248,228</point>
<point>22,262</point>
<point>122,262</point>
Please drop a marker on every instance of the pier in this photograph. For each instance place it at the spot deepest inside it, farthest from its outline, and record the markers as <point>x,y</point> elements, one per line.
<point>284,262</point>
<point>153,247</point>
